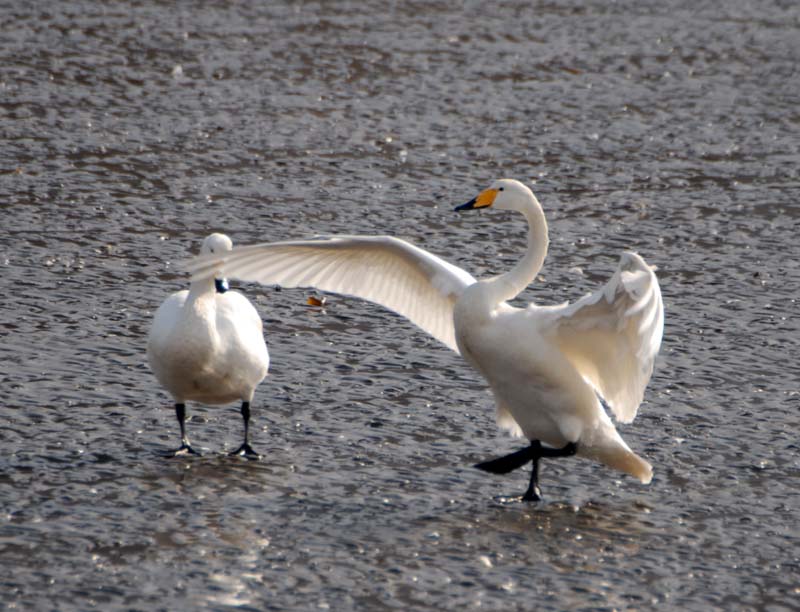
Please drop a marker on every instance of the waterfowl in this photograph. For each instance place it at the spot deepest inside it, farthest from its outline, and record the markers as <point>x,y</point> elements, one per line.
<point>206,345</point>
<point>550,368</point>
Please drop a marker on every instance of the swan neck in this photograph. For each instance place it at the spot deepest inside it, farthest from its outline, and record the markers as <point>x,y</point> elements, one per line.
<point>513,282</point>
<point>202,288</point>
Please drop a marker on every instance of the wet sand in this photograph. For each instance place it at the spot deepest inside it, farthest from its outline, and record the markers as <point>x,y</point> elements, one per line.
<point>131,131</point>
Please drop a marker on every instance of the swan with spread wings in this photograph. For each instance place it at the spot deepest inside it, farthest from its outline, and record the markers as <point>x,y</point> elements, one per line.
<point>547,366</point>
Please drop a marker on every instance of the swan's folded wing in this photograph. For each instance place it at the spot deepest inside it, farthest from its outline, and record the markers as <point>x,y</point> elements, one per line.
<point>612,336</point>
<point>381,269</point>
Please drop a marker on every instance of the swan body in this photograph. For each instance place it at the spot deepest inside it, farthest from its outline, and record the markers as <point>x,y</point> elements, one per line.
<point>206,345</point>
<point>547,366</point>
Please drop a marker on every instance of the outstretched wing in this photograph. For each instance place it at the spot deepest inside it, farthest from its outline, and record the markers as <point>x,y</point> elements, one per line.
<point>381,269</point>
<point>612,336</point>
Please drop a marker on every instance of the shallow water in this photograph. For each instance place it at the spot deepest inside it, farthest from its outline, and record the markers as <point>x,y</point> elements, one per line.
<point>131,131</point>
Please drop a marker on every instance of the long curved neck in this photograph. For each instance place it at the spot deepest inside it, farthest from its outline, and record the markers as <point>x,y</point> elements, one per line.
<point>509,285</point>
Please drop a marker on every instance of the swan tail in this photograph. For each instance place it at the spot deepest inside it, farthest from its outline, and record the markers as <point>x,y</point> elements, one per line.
<point>622,459</point>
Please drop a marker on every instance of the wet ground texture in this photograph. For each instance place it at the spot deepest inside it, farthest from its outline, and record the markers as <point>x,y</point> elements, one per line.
<point>131,130</point>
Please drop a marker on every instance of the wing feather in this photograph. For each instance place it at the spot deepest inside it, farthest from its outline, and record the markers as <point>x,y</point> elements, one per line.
<point>381,269</point>
<point>612,336</point>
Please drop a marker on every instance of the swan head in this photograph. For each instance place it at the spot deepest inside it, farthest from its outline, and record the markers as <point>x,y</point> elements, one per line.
<point>503,194</point>
<point>216,244</point>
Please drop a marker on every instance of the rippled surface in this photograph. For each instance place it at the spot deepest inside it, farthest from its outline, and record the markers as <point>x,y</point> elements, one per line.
<point>131,131</point>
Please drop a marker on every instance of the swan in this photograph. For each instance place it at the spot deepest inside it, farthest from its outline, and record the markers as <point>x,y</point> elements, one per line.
<point>207,345</point>
<point>550,368</point>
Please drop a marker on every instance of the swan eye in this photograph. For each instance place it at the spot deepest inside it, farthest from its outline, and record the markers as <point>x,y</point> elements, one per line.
<point>501,189</point>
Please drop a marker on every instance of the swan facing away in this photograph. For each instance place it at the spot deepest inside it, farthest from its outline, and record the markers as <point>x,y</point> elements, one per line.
<point>207,345</point>
<point>547,366</point>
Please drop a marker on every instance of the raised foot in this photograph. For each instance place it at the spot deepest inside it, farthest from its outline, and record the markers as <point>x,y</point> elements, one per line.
<point>245,450</point>
<point>184,449</point>
<point>507,463</point>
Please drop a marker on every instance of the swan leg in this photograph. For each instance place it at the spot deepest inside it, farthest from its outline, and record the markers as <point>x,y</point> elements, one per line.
<point>245,449</point>
<point>532,453</point>
<point>185,447</point>
<point>534,493</point>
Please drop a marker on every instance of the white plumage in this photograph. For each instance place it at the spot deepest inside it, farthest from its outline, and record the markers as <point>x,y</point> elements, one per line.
<point>207,345</point>
<point>546,365</point>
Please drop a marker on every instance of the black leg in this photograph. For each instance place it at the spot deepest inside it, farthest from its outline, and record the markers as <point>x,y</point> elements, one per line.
<point>245,449</point>
<point>185,448</point>
<point>531,453</point>
<point>534,493</point>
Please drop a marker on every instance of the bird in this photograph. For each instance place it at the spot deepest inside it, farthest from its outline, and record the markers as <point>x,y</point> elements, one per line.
<point>552,369</point>
<point>206,344</point>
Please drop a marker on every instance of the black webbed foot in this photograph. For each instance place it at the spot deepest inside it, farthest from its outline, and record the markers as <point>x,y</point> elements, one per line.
<point>533,494</point>
<point>245,450</point>
<point>184,449</point>
<point>507,463</point>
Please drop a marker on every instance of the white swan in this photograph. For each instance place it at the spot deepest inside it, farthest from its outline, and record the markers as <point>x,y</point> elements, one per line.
<point>207,345</point>
<point>546,365</point>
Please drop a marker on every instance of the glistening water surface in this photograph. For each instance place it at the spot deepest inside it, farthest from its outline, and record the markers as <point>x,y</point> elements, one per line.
<point>131,130</point>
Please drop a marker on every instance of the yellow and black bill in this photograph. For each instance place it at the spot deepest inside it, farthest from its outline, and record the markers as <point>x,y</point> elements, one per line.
<point>484,198</point>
